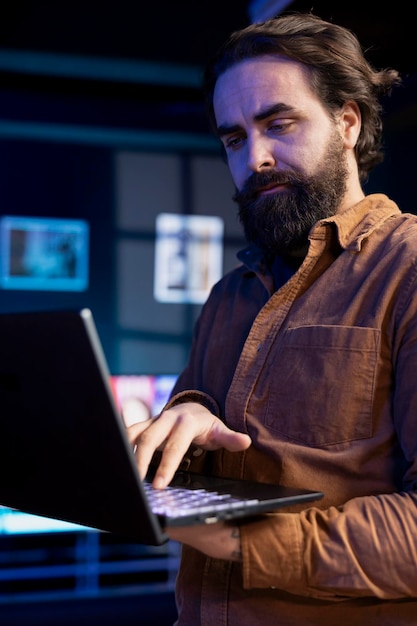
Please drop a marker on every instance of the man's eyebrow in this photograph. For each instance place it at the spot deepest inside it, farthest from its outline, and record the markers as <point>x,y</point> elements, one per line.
<point>263,114</point>
<point>274,109</point>
<point>224,129</point>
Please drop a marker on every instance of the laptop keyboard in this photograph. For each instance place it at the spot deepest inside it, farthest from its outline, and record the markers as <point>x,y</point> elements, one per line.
<point>177,501</point>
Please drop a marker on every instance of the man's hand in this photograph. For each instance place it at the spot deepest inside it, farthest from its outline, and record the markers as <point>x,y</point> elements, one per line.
<point>174,431</point>
<point>219,541</point>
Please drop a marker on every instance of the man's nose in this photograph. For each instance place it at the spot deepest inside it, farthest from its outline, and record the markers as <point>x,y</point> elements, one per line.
<point>260,155</point>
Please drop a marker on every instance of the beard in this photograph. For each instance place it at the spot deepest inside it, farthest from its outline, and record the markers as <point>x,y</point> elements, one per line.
<point>280,223</point>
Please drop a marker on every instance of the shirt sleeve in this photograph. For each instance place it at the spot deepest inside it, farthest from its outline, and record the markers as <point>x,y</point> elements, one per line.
<point>367,547</point>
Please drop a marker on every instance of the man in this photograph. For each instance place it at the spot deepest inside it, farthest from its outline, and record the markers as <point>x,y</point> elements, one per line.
<point>302,369</point>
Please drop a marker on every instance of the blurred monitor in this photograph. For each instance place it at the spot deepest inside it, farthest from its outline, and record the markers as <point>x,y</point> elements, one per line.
<point>140,397</point>
<point>38,253</point>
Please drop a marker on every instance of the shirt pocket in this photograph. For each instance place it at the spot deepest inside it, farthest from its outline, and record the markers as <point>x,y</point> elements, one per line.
<point>321,384</point>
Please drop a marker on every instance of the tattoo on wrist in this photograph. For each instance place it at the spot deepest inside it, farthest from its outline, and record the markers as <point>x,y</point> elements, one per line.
<point>236,553</point>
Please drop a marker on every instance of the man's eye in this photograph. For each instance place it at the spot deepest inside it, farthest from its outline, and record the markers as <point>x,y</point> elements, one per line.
<point>278,126</point>
<point>232,142</point>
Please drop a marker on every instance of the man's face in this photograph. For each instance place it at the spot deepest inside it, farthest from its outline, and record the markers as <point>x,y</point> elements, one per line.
<point>285,153</point>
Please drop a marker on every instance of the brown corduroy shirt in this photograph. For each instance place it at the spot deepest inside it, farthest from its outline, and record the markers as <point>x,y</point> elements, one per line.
<point>322,374</point>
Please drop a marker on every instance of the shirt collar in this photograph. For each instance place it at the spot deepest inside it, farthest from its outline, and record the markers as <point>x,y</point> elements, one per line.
<point>355,224</point>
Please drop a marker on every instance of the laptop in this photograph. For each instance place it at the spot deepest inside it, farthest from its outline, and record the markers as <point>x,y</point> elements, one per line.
<point>64,453</point>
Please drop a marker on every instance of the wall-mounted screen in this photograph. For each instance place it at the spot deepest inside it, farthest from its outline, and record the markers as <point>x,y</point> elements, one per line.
<point>50,254</point>
<point>140,397</point>
<point>188,257</point>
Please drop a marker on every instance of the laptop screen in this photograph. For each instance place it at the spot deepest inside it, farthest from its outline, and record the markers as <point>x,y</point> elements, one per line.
<point>137,397</point>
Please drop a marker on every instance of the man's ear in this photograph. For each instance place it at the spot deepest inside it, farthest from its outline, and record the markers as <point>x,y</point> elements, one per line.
<point>350,120</point>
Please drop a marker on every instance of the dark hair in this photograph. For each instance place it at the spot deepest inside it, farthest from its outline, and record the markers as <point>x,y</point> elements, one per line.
<point>338,71</point>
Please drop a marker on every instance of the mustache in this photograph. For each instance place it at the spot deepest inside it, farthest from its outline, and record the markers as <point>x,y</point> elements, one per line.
<point>258,180</point>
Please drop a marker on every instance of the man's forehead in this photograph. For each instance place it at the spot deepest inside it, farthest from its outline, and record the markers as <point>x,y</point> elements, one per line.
<point>260,83</point>
<point>263,72</point>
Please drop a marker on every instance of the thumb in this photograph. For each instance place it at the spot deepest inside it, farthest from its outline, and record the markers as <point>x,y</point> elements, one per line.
<point>224,437</point>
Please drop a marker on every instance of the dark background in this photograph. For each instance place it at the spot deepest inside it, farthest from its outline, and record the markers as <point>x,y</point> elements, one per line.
<point>187,31</point>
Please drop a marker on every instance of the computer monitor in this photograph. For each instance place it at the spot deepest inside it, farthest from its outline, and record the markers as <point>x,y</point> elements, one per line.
<point>39,253</point>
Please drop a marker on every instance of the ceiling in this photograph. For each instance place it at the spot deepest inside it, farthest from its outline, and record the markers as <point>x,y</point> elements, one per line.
<point>188,31</point>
